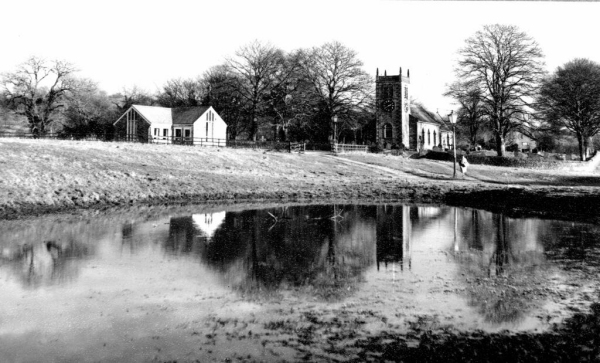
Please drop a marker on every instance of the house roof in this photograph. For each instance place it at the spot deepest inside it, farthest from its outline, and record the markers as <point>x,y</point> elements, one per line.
<point>424,115</point>
<point>165,115</point>
<point>187,115</point>
<point>154,114</point>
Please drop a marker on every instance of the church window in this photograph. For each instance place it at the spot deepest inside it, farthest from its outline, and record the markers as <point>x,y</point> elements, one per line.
<point>428,137</point>
<point>406,92</point>
<point>423,136</point>
<point>387,131</point>
<point>434,137</point>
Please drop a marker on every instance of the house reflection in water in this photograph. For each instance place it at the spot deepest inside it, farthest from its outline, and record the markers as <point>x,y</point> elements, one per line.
<point>208,223</point>
<point>191,234</point>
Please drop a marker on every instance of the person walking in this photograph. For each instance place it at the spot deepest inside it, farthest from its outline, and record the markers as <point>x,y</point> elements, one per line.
<point>464,164</point>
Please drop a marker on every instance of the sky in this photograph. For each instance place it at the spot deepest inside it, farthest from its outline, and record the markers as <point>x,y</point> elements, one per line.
<point>121,44</point>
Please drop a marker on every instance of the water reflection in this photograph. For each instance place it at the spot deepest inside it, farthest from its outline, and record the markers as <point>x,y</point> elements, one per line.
<point>322,251</point>
<point>321,247</point>
<point>44,255</point>
<point>502,256</point>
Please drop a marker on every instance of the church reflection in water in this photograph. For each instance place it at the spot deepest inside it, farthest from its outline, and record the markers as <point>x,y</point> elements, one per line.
<point>326,248</point>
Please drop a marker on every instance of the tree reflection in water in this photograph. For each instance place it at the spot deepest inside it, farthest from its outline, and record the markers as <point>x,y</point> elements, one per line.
<point>503,260</point>
<point>44,263</point>
<point>319,250</point>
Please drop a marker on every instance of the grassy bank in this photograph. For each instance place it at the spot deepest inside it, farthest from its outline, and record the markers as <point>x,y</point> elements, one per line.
<point>47,175</point>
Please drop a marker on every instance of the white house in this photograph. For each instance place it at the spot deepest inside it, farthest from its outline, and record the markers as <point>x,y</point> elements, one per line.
<point>190,125</point>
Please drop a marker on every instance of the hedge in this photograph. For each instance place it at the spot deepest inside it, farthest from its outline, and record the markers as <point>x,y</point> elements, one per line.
<point>536,162</point>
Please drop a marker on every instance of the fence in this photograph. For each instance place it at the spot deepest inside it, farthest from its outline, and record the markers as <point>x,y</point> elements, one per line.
<point>170,140</point>
<point>190,141</point>
<point>348,148</point>
<point>50,135</point>
<point>298,147</point>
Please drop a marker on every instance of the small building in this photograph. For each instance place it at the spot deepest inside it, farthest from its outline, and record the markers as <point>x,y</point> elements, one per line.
<point>519,141</point>
<point>188,126</point>
<point>428,130</point>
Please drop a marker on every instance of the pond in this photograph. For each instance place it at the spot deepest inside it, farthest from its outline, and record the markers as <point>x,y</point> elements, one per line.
<point>271,283</point>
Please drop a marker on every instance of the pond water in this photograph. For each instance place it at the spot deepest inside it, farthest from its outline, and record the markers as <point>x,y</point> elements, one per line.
<point>215,283</point>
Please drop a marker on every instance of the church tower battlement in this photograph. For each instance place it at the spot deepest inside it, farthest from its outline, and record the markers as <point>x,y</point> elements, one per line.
<point>392,109</point>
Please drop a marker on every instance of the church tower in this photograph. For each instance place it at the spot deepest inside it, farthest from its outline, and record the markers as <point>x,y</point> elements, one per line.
<point>393,109</point>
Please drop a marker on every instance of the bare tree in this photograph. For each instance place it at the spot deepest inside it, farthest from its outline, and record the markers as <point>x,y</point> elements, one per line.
<point>129,97</point>
<point>570,98</point>
<point>222,93</point>
<point>89,112</point>
<point>338,81</point>
<point>181,93</point>
<point>507,66</point>
<point>471,115</point>
<point>259,68</point>
<point>38,90</point>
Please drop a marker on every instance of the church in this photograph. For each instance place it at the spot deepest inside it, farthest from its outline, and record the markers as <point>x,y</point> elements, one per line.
<point>401,124</point>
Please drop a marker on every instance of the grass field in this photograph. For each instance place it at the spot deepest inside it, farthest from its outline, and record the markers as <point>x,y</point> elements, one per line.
<point>51,175</point>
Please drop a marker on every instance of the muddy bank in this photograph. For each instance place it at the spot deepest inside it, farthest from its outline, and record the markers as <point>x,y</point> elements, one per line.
<point>41,176</point>
<point>578,340</point>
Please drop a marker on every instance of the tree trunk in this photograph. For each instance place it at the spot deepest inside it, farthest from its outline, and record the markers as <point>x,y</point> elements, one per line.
<point>253,123</point>
<point>580,141</point>
<point>500,147</point>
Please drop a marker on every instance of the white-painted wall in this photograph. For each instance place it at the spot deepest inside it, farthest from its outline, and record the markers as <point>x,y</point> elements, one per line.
<point>210,129</point>
<point>160,138</point>
<point>431,128</point>
<point>447,139</point>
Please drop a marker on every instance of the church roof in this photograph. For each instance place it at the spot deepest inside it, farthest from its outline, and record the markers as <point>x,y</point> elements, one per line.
<point>422,114</point>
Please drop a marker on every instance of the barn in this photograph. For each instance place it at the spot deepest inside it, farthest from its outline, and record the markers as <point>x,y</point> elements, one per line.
<point>187,125</point>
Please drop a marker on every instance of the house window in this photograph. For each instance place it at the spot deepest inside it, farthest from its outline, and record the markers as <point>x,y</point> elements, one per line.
<point>387,131</point>
<point>155,131</point>
<point>165,132</point>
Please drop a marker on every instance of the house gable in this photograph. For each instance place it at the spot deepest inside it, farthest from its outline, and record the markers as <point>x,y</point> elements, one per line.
<point>150,114</point>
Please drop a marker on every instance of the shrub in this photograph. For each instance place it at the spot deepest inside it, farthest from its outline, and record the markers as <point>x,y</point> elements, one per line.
<point>535,162</point>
